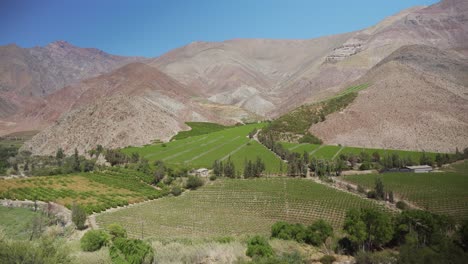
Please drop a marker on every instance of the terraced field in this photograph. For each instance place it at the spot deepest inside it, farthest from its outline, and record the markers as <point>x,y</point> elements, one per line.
<point>330,152</point>
<point>202,150</point>
<point>235,208</point>
<point>443,193</point>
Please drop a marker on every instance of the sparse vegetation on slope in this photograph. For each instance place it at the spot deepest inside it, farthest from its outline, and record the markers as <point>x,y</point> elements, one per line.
<point>292,125</point>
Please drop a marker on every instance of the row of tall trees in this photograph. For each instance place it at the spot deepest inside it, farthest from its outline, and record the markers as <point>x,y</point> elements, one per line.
<point>227,168</point>
<point>254,169</point>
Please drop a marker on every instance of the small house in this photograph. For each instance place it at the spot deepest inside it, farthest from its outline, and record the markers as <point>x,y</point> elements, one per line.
<point>419,169</point>
<point>203,172</point>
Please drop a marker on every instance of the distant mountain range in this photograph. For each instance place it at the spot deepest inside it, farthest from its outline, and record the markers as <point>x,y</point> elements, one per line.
<point>415,63</point>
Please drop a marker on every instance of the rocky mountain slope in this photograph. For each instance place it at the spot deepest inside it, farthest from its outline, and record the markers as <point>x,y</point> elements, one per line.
<point>26,74</point>
<point>129,106</point>
<point>230,80</point>
<point>418,99</point>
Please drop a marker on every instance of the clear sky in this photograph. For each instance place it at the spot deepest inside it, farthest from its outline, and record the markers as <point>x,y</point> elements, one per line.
<point>152,27</point>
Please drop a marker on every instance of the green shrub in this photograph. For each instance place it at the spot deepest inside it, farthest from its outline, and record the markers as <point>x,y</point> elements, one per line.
<point>193,182</point>
<point>378,257</point>
<point>176,191</point>
<point>258,246</point>
<point>116,231</point>
<point>93,240</point>
<point>365,166</point>
<point>309,138</point>
<point>327,259</point>
<point>131,251</point>
<point>213,177</point>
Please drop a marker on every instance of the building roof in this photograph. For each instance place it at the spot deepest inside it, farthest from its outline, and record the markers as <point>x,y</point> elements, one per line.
<point>420,167</point>
<point>202,170</point>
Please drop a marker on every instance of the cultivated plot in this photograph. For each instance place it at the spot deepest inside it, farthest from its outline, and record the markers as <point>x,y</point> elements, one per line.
<point>443,193</point>
<point>235,208</point>
<point>203,150</point>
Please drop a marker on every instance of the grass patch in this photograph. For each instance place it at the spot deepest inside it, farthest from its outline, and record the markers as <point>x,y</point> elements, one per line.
<point>202,150</point>
<point>198,128</point>
<point>16,222</point>
<point>236,208</point>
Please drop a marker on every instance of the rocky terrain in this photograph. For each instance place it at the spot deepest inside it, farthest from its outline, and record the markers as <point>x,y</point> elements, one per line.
<point>418,99</point>
<point>26,74</point>
<point>244,79</point>
<point>132,105</point>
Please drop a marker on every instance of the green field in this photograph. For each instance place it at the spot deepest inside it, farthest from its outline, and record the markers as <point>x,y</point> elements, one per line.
<point>443,193</point>
<point>96,191</point>
<point>16,222</point>
<point>330,151</point>
<point>234,207</point>
<point>16,139</point>
<point>199,128</point>
<point>201,151</point>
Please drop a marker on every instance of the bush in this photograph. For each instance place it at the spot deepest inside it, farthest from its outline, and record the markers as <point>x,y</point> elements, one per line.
<point>116,230</point>
<point>213,177</point>
<point>401,205</point>
<point>258,246</point>
<point>78,216</point>
<point>176,191</point>
<point>309,138</point>
<point>327,259</point>
<point>93,240</point>
<point>131,251</point>
<point>194,182</point>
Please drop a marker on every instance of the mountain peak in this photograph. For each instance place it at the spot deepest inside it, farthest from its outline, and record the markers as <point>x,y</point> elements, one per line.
<point>60,44</point>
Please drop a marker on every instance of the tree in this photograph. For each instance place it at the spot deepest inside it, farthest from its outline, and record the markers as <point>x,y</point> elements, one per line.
<point>218,168</point>
<point>159,171</point>
<point>59,156</point>
<point>229,169</point>
<point>379,189</point>
<point>78,216</point>
<point>379,227</point>
<point>318,232</point>
<point>355,227</point>
<point>425,159</point>
<point>76,161</point>
<point>391,198</point>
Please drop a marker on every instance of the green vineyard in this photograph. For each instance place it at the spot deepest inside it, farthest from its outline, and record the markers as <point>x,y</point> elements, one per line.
<point>235,208</point>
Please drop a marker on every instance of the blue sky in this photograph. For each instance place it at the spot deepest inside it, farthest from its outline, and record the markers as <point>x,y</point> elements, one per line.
<point>151,27</point>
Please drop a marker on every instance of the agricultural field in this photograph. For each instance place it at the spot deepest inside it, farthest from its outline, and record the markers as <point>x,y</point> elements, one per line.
<point>201,151</point>
<point>331,151</point>
<point>16,222</point>
<point>235,207</point>
<point>16,139</point>
<point>96,191</point>
<point>438,192</point>
<point>198,128</point>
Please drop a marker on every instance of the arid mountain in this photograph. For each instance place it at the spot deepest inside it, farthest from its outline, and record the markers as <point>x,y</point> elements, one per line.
<point>29,73</point>
<point>418,99</point>
<point>230,80</point>
<point>132,105</point>
<point>270,77</point>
